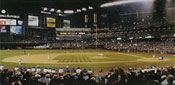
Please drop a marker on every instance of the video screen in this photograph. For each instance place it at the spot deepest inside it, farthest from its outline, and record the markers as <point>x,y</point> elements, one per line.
<point>33,20</point>
<point>16,30</point>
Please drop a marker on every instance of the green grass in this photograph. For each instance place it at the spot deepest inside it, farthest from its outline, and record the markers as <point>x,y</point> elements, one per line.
<point>73,58</point>
<point>83,56</point>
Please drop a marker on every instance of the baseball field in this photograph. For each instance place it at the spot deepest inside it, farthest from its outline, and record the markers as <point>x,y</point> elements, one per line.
<point>89,58</point>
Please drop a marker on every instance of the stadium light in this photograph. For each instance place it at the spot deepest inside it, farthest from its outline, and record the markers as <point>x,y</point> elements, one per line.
<point>45,9</point>
<point>68,11</point>
<point>60,15</point>
<point>90,7</point>
<point>115,3</point>
<point>3,11</point>
<point>58,11</point>
<point>78,10</point>
<point>52,9</point>
<point>84,9</point>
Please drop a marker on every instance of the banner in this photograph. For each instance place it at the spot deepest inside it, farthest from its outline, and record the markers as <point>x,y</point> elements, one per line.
<point>66,23</point>
<point>9,16</point>
<point>51,22</point>
<point>86,19</point>
<point>3,29</point>
<point>7,21</point>
<point>95,18</point>
<point>33,20</point>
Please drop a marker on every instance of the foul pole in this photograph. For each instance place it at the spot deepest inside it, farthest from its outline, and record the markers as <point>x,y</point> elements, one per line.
<point>96,27</point>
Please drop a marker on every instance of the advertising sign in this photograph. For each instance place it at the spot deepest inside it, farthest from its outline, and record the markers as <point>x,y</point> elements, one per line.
<point>66,24</point>
<point>51,22</point>
<point>3,29</point>
<point>33,20</point>
<point>7,21</point>
<point>20,22</point>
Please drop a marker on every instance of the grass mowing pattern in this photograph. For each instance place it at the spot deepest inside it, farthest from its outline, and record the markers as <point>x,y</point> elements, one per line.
<point>92,57</point>
<point>73,58</point>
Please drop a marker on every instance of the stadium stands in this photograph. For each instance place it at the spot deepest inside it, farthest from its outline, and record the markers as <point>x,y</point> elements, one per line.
<point>150,75</point>
<point>121,26</point>
<point>155,46</point>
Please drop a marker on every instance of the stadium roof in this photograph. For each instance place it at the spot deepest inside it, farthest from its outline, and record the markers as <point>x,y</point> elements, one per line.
<point>34,5</point>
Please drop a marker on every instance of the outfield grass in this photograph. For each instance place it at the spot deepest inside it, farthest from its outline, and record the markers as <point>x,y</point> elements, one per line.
<point>88,59</point>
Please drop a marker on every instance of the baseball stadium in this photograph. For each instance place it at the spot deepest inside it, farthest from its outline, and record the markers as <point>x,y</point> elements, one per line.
<point>85,42</point>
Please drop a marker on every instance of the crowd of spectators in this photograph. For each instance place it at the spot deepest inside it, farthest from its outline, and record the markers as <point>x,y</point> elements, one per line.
<point>70,45</point>
<point>156,46</point>
<point>143,46</point>
<point>150,75</point>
